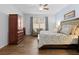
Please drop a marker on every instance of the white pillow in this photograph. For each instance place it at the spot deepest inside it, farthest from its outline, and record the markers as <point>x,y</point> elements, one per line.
<point>66,29</point>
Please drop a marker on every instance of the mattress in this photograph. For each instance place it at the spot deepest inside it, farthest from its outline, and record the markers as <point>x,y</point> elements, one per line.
<point>47,38</point>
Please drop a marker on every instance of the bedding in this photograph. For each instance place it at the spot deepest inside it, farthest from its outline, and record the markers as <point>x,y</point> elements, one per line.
<point>47,38</point>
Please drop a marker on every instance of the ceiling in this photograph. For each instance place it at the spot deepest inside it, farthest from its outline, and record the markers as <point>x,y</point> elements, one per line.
<point>34,8</point>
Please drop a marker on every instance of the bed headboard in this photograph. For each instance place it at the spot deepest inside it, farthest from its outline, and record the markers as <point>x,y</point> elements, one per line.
<point>72,21</point>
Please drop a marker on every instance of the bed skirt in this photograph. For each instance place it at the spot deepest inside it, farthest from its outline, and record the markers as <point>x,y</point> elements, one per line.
<point>70,46</point>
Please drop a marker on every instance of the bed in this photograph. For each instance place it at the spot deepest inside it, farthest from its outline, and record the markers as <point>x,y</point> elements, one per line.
<point>59,38</point>
<point>48,38</point>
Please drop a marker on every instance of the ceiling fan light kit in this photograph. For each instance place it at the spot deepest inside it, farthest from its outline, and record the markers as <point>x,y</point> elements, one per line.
<point>44,7</point>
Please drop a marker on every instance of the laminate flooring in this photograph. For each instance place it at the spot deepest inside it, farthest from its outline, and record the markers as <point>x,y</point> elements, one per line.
<point>29,46</point>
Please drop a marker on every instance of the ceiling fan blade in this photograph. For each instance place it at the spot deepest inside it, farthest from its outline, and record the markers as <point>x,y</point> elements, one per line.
<point>45,4</point>
<point>46,8</point>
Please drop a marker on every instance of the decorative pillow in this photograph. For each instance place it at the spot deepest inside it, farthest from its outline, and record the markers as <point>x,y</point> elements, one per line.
<point>66,29</point>
<point>73,29</point>
<point>77,31</point>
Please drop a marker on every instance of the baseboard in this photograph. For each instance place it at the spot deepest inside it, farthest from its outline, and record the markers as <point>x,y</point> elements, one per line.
<point>3,45</point>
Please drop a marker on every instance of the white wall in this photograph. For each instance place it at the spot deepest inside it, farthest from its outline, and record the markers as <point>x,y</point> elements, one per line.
<point>60,15</point>
<point>8,9</point>
<point>3,29</point>
<point>51,22</point>
<point>27,23</point>
<point>4,11</point>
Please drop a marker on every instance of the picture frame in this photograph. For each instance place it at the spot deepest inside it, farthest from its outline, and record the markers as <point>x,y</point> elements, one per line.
<point>69,15</point>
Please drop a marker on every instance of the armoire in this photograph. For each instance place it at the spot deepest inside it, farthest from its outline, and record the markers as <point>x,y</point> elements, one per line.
<point>16,29</point>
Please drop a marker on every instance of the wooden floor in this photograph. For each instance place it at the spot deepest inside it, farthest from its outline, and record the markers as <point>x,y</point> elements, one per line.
<point>29,47</point>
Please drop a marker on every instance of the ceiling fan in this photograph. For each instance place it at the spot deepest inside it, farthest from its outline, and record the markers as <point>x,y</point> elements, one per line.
<point>44,7</point>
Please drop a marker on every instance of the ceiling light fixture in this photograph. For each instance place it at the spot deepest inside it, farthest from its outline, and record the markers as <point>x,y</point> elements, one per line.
<point>44,7</point>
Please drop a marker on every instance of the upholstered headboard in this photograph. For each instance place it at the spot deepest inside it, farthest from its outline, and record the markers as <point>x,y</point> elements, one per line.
<point>72,22</point>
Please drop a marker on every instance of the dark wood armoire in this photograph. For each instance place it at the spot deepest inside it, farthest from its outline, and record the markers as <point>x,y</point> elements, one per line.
<point>16,32</point>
